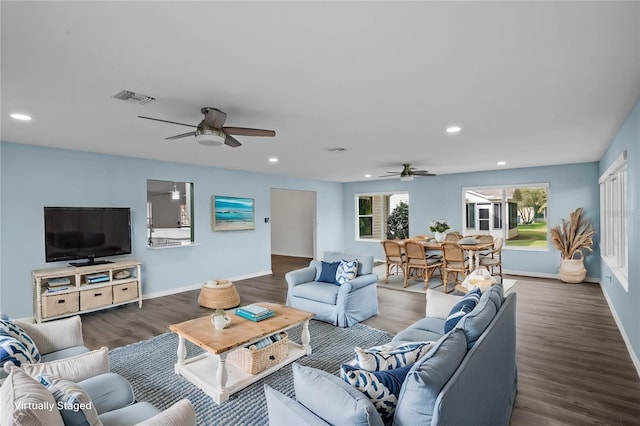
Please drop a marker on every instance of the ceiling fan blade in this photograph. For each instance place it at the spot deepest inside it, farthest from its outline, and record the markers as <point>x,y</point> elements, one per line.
<point>231,141</point>
<point>213,117</point>
<point>183,135</point>
<point>166,121</point>
<point>245,131</point>
<point>422,173</point>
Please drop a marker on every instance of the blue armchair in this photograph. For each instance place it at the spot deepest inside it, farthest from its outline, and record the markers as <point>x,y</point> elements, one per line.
<point>340,305</point>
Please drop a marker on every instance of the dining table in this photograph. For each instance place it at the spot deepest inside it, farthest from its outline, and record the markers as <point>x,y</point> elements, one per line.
<point>473,249</point>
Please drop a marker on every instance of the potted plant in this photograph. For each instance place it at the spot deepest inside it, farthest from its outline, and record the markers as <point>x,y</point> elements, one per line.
<point>439,227</point>
<point>570,239</point>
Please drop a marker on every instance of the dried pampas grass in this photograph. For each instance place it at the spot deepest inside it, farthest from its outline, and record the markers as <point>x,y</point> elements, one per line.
<point>573,235</point>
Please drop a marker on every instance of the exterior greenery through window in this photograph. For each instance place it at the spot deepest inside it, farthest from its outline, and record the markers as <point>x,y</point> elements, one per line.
<point>516,213</point>
<point>614,246</point>
<point>382,216</point>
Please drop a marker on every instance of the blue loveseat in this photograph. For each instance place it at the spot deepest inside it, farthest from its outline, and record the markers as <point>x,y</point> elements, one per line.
<point>467,378</point>
<point>340,305</point>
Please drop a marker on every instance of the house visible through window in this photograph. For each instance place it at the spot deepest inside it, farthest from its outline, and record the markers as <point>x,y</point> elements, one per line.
<point>516,213</point>
<point>373,212</point>
<point>614,245</point>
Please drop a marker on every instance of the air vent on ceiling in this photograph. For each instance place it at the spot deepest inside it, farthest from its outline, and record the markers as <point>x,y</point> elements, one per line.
<point>136,98</point>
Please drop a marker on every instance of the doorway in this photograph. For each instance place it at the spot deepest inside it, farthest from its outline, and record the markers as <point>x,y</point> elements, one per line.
<point>293,223</point>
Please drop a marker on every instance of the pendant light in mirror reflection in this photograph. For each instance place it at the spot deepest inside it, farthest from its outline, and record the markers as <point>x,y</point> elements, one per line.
<point>169,214</point>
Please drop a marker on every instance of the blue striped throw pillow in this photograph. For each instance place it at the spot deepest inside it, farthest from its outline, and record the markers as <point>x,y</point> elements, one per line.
<point>462,308</point>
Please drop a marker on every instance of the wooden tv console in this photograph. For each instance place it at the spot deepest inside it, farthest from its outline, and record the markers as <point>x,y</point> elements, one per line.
<point>81,295</point>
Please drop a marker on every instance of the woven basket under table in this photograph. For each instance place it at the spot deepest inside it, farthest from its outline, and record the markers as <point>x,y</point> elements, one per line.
<point>253,361</point>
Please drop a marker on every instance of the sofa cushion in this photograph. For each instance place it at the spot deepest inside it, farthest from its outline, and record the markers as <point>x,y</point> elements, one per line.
<point>335,401</point>
<point>109,391</point>
<point>347,270</point>
<point>426,379</point>
<point>390,356</point>
<point>496,294</point>
<point>462,308</point>
<point>24,401</point>
<point>381,387</point>
<point>439,304</point>
<point>475,322</point>
<point>285,411</point>
<point>328,272</point>
<point>9,328</point>
<point>415,335</point>
<point>64,353</point>
<point>75,406</point>
<point>76,368</point>
<point>129,415</point>
<point>317,291</point>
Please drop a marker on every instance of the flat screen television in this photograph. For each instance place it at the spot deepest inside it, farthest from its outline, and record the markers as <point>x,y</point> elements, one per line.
<point>86,233</point>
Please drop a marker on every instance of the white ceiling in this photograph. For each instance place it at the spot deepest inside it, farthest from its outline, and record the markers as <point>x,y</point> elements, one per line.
<point>530,83</point>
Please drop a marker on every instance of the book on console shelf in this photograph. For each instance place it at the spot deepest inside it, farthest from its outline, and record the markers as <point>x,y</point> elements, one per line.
<point>56,289</point>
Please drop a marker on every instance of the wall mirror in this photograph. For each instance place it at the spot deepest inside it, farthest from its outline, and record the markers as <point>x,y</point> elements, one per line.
<point>169,213</point>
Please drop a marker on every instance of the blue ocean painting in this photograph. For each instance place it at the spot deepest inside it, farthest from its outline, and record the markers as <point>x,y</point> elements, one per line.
<point>233,213</point>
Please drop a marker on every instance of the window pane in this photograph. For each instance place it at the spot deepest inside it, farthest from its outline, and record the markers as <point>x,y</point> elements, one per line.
<point>365,206</point>
<point>366,227</point>
<point>382,216</point>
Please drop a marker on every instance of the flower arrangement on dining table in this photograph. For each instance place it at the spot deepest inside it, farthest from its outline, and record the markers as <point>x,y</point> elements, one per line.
<point>439,225</point>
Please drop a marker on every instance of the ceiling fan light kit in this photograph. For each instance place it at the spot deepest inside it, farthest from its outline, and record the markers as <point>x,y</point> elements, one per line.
<point>408,178</point>
<point>210,137</point>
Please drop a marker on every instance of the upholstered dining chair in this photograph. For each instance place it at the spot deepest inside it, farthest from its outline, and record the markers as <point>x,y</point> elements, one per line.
<point>454,262</point>
<point>395,259</point>
<point>417,261</point>
<point>494,258</point>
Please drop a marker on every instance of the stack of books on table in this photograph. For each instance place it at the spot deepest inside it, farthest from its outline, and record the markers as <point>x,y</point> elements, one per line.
<point>254,312</point>
<point>58,284</point>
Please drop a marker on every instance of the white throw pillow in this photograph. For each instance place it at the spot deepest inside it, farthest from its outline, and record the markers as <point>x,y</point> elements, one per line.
<point>24,401</point>
<point>347,270</point>
<point>76,368</point>
<point>439,304</point>
<point>390,356</point>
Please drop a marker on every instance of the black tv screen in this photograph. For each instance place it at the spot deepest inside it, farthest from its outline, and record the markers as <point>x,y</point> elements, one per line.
<point>86,232</point>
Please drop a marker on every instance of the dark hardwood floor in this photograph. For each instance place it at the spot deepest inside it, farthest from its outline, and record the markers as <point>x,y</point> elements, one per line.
<point>573,366</point>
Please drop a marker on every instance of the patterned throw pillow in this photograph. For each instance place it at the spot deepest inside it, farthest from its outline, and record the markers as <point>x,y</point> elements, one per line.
<point>347,270</point>
<point>12,349</point>
<point>10,329</point>
<point>381,387</point>
<point>462,308</point>
<point>76,408</point>
<point>388,357</point>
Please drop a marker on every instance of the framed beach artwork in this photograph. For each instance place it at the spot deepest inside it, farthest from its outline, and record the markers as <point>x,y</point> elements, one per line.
<point>233,213</point>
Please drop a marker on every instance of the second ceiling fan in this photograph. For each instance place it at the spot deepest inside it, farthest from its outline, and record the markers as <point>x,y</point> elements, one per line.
<point>211,130</point>
<point>408,173</point>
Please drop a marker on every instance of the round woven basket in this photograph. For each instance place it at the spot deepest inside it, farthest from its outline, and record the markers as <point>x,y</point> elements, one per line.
<point>219,294</point>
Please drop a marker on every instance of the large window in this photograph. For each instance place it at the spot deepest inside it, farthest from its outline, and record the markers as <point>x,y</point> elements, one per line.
<point>516,213</point>
<point>382,216</point>
<point>613,219</point>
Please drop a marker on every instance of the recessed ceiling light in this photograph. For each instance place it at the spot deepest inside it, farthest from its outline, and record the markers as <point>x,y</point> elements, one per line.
<point>501,163</point>
<point>367,175</point>
<point>273,160</point>
<point>453,129</point>
<point>23,117</point>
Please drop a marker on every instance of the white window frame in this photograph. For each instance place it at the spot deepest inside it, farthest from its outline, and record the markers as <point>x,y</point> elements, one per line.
<point>614,238</point>
<point>358,216</point>
<point>505,211</point>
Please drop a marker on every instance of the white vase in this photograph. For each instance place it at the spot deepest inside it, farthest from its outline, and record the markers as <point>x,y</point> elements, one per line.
<point>439,236</point>
<point>220,321</point>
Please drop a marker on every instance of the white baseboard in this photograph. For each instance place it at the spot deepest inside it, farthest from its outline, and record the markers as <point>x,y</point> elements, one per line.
<point>544,275</point>
<point>292,254</point>
<point>632,354</point>
<point>146,296</point>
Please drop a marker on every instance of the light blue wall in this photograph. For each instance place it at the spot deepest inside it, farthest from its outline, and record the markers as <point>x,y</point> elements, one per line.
<point>627,305</point>
<point>440,197</point>
<point>33,177</point>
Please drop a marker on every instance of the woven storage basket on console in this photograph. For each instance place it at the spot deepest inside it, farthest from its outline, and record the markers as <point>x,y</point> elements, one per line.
<point>220,294</point>
<point>253,361</point>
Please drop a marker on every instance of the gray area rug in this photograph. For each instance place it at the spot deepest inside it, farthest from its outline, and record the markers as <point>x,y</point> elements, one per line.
<point>148,365</point>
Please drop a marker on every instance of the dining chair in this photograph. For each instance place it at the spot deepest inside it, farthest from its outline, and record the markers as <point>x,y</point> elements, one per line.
<point>454,262</point>
<point>484,239</point>
<point>394,258</point>
<point>417,261</point>
<point>453,236</point>
<point>494,258</point>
